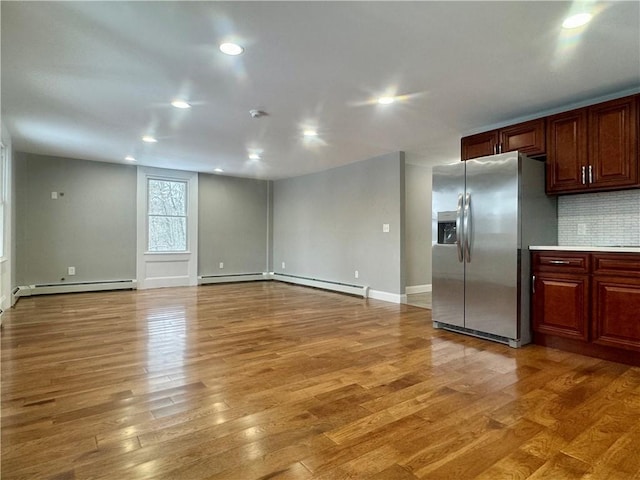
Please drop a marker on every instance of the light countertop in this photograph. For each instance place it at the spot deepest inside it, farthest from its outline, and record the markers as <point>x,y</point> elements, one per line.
<point>569,248</point>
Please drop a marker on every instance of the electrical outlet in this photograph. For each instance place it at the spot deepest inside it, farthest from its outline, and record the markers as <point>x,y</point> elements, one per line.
<point>71,271</point>
<point>385,228</point>
<point>582,229</point>
<point>357,274</point>
<point>221,264</point>
<point>283,266</point>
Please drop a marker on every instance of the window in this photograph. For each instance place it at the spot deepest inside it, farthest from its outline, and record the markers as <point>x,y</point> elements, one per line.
<point>167,215</point>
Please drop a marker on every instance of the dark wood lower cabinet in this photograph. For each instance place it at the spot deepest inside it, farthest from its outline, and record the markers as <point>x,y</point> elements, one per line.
<point>588,303</point>
<point>561,305</point>
<point>616,312</point>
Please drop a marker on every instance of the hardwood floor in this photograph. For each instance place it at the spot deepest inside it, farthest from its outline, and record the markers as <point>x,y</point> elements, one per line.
<point>274,381</point>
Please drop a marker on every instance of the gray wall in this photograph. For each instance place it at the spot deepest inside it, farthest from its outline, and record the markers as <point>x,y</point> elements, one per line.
<point>232,225</point>
<point>327,225</point>
<point>92,227</point>
<point>418,225</point>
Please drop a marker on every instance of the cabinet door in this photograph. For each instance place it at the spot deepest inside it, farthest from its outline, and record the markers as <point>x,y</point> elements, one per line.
<point>561,305</point>
<point>479,145</point>
<point>567,152</point>
<point>527,137</point>
<point>615,317</point>
<point>613,144</point>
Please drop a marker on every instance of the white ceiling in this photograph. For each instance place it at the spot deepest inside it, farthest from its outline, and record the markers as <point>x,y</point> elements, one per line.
<point>88,79</point>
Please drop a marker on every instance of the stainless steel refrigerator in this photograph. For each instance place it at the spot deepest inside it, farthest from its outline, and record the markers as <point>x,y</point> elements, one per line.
<point>486,213</point>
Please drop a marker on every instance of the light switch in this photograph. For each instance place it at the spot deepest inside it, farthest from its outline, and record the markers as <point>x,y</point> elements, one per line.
<point>221,264</point>
<point>54,195</point>
<point>385,228</point>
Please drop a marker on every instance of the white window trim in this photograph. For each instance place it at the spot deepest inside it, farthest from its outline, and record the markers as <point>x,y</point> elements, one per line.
<point>186,262</point>
<point>168,179</point>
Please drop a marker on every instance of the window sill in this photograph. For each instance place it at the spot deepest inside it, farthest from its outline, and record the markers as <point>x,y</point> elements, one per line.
<point>187,252</point>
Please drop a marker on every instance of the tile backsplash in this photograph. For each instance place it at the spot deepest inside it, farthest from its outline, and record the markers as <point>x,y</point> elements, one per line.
<point>599,219</point>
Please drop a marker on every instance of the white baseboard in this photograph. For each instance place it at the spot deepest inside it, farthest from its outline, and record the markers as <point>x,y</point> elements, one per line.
<point>387,297</point>
<point>238,277</point>
<point>418,289</point>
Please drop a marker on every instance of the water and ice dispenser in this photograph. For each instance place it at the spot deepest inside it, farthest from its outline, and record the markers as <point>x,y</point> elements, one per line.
<point>447,228</point>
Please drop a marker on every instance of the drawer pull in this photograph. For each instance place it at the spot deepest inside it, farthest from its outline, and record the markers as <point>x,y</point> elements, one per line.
<point>560,262</point>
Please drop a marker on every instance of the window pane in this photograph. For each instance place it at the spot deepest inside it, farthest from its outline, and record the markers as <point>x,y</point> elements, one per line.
<point>167,197</point>
<point>167,234</point>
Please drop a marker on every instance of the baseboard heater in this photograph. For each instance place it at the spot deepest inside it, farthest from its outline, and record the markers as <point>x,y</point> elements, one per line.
<point>234,277</point>
<point>49,288</point>
<point>359,290</point>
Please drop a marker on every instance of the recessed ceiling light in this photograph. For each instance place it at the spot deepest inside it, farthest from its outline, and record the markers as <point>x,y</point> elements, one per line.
<point>130,158</point>
<point>254,156</point>
<point>578,20</point>
<point>149,139</point>
<point>218,170</point>
<point>386,100</point>
<point>231,48</point>
<point>310,133</point>
<point>180,104</point>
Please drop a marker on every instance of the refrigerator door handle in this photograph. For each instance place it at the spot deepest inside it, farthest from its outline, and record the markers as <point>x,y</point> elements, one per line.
<point>459,228</point>
<point>467,226</point>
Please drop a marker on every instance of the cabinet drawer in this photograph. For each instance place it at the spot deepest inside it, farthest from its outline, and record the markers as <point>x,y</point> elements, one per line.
<point>561,262</point>
<point>619,264</point>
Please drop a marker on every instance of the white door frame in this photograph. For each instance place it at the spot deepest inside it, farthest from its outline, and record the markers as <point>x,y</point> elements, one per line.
<point>170,269</point>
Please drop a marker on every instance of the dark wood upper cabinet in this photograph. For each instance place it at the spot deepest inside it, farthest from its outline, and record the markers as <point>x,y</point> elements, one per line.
<point>526,137</point>
<point>613,143</point>
<point>479,145</point>
<point>593,148</point>
<point>567,151</point>
<point>590,149</point>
